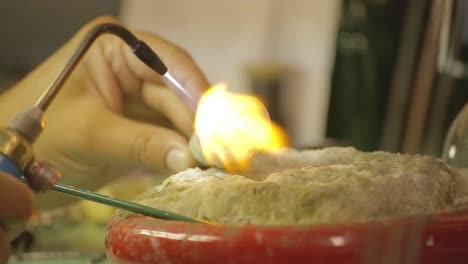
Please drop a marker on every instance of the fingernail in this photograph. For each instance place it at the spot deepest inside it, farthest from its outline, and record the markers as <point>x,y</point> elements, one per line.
<point>176,159</point>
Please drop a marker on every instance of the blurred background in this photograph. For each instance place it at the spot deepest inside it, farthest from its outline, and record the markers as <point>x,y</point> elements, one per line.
<point>373,74</point>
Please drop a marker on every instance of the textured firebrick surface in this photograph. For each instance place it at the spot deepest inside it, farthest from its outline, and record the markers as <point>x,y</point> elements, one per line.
<point>326,186</point>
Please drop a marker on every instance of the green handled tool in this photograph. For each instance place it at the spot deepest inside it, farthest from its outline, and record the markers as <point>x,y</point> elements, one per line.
<point>121,204</point>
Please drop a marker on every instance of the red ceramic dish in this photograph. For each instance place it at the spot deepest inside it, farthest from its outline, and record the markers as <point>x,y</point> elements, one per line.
<point>441,238</point>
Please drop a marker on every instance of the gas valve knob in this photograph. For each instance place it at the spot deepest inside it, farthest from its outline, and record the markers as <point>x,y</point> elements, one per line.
<point>41,176</point>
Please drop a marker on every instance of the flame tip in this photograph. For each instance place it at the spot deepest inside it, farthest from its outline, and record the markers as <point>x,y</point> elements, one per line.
<point>237,121</point>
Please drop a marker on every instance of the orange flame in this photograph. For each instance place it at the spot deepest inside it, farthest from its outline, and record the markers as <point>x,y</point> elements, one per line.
<point>233,127</point>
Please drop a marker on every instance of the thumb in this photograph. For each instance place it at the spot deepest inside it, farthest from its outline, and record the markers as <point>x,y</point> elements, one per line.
<point>124,141</point>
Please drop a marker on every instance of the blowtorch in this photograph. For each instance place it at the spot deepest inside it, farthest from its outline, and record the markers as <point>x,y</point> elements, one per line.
<point>16,140</point>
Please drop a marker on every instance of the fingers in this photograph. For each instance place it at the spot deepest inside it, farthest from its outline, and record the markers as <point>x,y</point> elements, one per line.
<point>4,247</point>
<point>178,61</point>
<point>120,140</point>
<point>167,103</point>
<point>104,78</point>
<point>117,72</point>
<point>180,64</point>
<point>116,83</point>
<point>16,200</point>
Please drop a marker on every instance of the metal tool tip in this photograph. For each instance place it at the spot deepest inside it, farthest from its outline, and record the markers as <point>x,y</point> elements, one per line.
<point>177,85</point>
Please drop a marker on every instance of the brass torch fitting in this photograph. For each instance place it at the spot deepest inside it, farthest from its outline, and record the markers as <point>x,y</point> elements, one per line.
<point>16,147</point>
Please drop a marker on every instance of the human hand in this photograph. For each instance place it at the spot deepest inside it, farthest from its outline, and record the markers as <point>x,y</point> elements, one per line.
<point>15,208</point>
<point>113,113</point>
